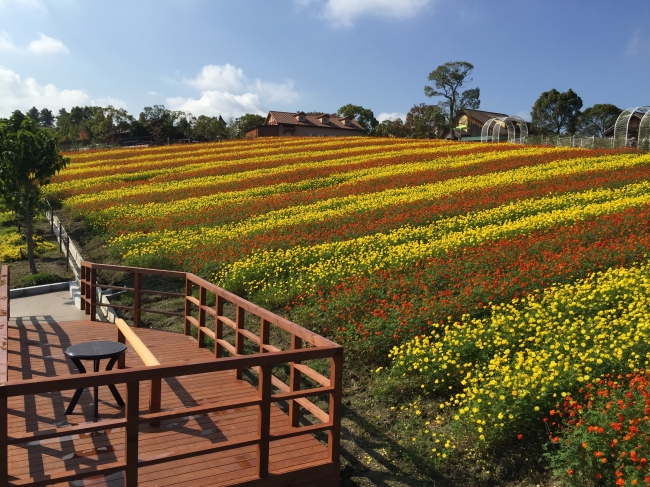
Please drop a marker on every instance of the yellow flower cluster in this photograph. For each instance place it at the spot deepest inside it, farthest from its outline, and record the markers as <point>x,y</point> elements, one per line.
<point>141,244</point>
<point>13,247</point>
<point>516,364</point>
<point>189,205</point>
<point>297,269</point>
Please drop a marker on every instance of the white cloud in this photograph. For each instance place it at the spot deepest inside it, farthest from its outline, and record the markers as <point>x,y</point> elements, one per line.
<point>22,94</point>
<point>638,45</point>
<point>152,93</point>
<point>47,45</point>
<point>30,4</point>
<point>226,90</point>
<point>344,12</point>
<point>5,42</point>
<point>391,116</point>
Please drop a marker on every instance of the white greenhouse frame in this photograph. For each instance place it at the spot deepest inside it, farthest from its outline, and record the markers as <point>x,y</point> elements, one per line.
<point>622,127</point>
<point>495,124</point>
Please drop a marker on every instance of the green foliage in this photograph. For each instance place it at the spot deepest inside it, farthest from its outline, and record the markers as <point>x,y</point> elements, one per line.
<point>556,113</point>
<point>29,157</point>
<point>364,116</point>
<point>448,78</point>
<point>40,279</point>
<point>425,121</point>
<point>391,128</point>
<point>597,119</point>
<point>245,122</point>
<point>210,128</point>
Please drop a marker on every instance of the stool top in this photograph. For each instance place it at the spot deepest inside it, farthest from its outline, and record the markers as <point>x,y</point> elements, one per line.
<point>95,350</point>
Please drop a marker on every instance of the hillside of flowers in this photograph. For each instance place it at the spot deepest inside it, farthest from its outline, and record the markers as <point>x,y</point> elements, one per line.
<point>483,284</point>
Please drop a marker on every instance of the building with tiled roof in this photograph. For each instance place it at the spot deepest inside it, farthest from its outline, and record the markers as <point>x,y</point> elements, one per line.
<point>299,124</point>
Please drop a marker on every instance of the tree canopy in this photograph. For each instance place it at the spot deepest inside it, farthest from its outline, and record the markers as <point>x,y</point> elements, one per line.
<point>597,119</point>
<point>425,121</point>
<point>29,157</point>
<point>448,79</point>
<point>556,112</point>
<point>364,116</point>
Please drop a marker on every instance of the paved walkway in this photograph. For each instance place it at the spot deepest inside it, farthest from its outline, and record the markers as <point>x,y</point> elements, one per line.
<point>57,306</point>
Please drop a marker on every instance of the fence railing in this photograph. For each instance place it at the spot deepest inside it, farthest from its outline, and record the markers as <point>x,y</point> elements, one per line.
<point>305,346</point>
<point>73,256</point>
<point>4,322</point>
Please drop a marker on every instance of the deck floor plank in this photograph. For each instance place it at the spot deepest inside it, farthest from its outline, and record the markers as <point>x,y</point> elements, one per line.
<point>36,349</point>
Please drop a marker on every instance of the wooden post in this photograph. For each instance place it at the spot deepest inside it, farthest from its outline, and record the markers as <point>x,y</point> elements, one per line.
<point>264,334</point>
<point>202,301</point>
<point>218,327</point>
<point>51,220</point>
<point>93,294</point>
<point>188,307</point>
<point>4,447</point>
<point>336,380</point>
<point>294,384</point>
<point>264,421</point>
<point>131,435</point>
<point>121,362</point>
<point>239,338</point>
<point>60,237</point>
<point>137,298</point>
<point>155,391</point>
<point>82,290</point>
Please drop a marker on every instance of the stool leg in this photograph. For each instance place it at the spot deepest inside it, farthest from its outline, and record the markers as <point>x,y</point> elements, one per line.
<point>112,387</point>
<point>77,393</point>
<point>96,369</point>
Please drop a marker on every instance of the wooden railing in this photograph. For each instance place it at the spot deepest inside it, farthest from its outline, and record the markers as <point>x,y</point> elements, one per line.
<point>133,419</point>
<point>4,322</point>
<point>305,346</point>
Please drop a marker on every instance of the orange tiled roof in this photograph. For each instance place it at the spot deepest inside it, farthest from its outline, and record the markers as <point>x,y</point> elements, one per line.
<point>287,118</point>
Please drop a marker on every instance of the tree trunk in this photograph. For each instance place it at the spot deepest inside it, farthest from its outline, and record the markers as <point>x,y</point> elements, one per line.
<point>29,234</point>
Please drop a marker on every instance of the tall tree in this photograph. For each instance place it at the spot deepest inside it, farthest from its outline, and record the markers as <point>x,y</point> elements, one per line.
<point>46,117</point>
<point>29,157</point>
<point>556,112</point>
<point>34,114</point>
<point>210,128</point>
<point>364,116</point>
<point>448,79</point>
<point>597,119</point>
<point>425,121</point>
<point>244,123</point>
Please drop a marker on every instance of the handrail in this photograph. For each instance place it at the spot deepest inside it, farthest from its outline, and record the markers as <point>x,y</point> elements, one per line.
<point>132,378</point>
<point>4,322</point>
<point>138,345</point>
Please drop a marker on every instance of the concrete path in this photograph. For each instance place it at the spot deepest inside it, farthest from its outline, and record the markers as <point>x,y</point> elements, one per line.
<point>58,306</point>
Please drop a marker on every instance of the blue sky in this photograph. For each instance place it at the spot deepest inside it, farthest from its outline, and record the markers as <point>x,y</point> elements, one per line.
<point>233,57</point>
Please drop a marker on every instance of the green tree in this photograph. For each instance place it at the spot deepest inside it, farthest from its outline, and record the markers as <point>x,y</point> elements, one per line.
<point>597,119</point>
<point>46,117</point>
<point>448,79</point>
<point>29,157</point>
<point>425,121</point>
<point>556,112</point>
<point>391,128</point>
<point>34,114</point>
<point>364,116</point>
<point>244,123</point>
<point>210,128</point>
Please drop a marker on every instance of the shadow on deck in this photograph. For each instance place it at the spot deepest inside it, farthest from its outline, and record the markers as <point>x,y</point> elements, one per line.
<point>211,428</point>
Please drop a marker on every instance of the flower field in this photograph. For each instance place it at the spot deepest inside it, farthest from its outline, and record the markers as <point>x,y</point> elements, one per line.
<point>483,283</point>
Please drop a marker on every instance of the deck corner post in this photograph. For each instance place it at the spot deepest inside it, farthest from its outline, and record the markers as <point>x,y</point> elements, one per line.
<point>294,384</point>
<point>82,284</point>
<point>336,397</point>
<point>218,327</point>
<point>137,298</point>
<point>131,435</point>
<point>264,421</point>
<point>4,447</point>
<point>93,294</point>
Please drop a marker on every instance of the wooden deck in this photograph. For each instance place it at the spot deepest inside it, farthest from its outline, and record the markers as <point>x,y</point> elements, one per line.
<point>191,417</point>
<point>36,350</point>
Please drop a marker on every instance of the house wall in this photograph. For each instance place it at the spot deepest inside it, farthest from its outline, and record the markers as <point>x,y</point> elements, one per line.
<point>306,131</point>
